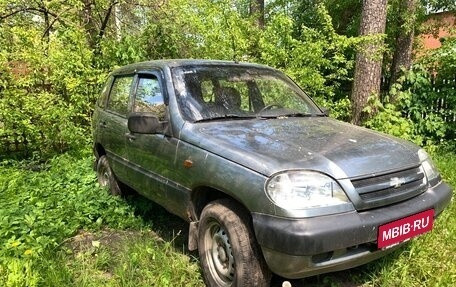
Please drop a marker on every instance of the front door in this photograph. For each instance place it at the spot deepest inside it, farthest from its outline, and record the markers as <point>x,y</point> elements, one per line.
<point>151,156</point>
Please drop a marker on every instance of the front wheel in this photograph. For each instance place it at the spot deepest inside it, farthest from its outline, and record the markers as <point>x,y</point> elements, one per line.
<point>106,177</point>
<point>228,251</point>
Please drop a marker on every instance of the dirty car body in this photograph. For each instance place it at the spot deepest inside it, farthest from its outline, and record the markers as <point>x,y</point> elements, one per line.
<point>316,191</point>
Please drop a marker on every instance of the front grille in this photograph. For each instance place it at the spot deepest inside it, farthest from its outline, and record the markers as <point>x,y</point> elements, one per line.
<point>389,188</point>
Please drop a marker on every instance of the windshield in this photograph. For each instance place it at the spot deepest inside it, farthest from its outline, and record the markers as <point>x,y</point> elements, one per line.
<point>230,92</point>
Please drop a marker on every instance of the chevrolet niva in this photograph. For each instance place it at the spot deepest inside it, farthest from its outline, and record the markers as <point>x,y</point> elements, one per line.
<point>267,181</point>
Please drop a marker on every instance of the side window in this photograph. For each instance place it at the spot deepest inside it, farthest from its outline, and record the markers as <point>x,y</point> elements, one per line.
<point>104,93</point>
<point>120,93</point>
<point>149,97</point>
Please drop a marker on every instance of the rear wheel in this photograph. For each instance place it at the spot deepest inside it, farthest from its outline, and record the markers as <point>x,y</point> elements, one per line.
<point>106,177</point>
<point>228,251</point>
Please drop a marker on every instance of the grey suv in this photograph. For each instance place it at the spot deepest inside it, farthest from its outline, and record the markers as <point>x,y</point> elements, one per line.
<point>267,181</point>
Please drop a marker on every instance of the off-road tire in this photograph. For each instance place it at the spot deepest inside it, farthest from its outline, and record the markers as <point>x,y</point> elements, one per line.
<point>229,254</point>
<point>106,177</point>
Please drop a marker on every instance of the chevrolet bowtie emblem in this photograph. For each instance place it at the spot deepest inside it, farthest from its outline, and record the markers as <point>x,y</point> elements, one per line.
<point>396,182</point>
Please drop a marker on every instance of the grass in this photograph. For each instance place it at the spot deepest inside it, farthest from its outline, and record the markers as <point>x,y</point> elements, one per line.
<point>123,258</point>
<point>58,228</point>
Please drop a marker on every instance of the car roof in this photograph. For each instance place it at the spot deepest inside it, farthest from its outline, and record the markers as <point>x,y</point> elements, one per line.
<point>171,63</point>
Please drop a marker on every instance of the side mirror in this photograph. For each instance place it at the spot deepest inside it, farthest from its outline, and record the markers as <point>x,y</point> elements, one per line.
<point>145,123</point>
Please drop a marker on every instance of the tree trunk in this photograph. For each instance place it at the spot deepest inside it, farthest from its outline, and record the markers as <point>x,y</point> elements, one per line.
<point>257,11</point>
<point>95,30</point>
<point>402,58</point>
<point>89,24</point>
<point>368,58</point>
<point>47,31</point>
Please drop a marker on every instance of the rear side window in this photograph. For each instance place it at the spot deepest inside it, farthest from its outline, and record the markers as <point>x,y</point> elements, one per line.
<point>104,93</point>
<point>120,93</point>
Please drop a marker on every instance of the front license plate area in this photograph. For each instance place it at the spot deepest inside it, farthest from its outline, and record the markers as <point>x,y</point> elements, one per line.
<point>403,229</point>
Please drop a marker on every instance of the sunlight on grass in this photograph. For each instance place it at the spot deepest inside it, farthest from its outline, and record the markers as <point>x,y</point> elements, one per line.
<point>131,258</point>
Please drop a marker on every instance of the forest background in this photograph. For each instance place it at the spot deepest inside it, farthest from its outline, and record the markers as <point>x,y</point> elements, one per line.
<point>55,55</point>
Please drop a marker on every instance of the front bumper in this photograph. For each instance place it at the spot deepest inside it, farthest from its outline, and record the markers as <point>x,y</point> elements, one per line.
<point>297,248</point>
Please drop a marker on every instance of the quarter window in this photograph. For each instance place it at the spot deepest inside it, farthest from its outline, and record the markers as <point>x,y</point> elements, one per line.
<point>104,93</point>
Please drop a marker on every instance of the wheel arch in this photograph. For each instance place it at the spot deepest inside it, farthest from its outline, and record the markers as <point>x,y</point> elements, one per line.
<point>201,197</point>
<point>98,150</point>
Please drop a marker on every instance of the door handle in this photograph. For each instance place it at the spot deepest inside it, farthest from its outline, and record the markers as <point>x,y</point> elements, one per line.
<point>130,137</point>
<point>103,124</point>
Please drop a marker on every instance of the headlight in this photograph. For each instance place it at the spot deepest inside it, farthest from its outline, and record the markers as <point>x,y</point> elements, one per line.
<point>305,190</point>
<point>430,170</point>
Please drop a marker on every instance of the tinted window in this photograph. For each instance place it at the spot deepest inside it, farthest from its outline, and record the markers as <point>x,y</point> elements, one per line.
<point>149,97</point>
<point>120,92</point>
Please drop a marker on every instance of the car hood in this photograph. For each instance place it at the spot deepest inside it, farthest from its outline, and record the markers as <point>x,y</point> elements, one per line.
<point>316,143</point>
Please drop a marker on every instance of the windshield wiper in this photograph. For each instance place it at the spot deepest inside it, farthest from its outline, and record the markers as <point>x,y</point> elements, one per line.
<point>287,115</point>
<point>225,117</point>
<point>297,115</point>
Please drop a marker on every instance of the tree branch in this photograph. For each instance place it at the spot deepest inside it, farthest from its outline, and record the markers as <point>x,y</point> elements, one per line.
<point>33,10</point>
<point>104,23</point>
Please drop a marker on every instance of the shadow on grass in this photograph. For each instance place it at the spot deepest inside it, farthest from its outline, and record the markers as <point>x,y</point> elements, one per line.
<point>173,229</point>
<point>167,226</point>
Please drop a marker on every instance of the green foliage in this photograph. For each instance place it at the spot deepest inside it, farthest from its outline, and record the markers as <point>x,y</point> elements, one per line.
<point>47,105</point>
<point>39,209</point>
<point>125,51</point>
<point>345,16</point>
<point>425,107</point>
<point>314,57</point>
<point>442,61</point>
<point>200,29</point>
<point>117,258</point>
<point>165,266</point>
<point>338,109</point>
<point>422,111</point>
<point>43,204</point>
<point>389,119</point>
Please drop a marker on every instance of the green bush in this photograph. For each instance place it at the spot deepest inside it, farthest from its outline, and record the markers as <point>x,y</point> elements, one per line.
<point>317,58</point>
<point>417,108</point>
<point>46,105</point>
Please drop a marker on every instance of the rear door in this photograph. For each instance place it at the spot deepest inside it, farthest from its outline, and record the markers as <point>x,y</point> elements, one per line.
<point>113,122</point>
